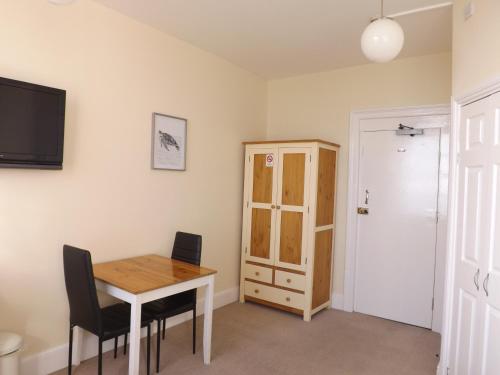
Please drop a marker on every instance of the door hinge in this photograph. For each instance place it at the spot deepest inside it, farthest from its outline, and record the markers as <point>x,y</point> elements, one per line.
<point>432,304</point>
<point>310,158</point>
<point>307,209</point>
<point>246,249</point>
<point>247,204</point>
<point>306,260</point>
<point>447,371</point>
<point>249,158</point>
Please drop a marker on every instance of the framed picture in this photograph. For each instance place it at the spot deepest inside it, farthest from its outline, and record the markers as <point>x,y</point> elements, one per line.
<point>168,142</point>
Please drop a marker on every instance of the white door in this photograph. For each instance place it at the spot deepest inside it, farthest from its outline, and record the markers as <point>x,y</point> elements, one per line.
<point>490,265</point>
<point>470,241</point>
<point>475,340</point>
<point>398,184</point>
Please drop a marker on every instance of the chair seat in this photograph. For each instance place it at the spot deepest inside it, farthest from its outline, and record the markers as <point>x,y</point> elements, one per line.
<point>116,320</point>
<point>171,306</point>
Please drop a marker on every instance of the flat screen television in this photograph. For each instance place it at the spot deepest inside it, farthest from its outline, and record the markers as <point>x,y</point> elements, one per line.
<point>31,125</point>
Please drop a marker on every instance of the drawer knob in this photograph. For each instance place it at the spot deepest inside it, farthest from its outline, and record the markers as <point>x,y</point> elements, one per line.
<point>288,299</point>
<point>288,281</point>
<point>256,291</point>
<point>257,273</point>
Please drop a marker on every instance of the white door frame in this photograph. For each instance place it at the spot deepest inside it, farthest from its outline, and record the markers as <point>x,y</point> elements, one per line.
<point>483,91</point>
<point>352,200</point>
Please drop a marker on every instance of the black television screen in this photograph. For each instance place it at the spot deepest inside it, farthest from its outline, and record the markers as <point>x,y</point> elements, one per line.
<point>31,125</point>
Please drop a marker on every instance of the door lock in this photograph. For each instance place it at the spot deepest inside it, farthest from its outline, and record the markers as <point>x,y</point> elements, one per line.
<point>362,211</point>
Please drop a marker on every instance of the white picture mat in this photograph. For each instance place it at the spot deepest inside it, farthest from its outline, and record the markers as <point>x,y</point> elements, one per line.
<point>169,142</point>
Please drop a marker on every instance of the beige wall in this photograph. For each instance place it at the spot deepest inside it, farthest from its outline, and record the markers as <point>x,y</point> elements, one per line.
<point>318,106</point>
<point>107,199</point>
<point>476,45</point>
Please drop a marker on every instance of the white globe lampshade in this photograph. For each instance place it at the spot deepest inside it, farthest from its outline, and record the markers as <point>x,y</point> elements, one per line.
<point>382,40</point>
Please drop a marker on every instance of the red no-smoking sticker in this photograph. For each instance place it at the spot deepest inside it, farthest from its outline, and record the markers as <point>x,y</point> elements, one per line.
<point>269,160</point>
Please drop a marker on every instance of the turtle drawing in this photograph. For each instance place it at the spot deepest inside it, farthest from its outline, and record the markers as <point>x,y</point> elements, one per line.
<point>167,140</point>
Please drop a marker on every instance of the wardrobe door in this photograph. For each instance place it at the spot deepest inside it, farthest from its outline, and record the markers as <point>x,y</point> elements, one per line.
<point>490,278</point>
<point>260,207</point>
<point>472,238</point>
<point>292,207</point>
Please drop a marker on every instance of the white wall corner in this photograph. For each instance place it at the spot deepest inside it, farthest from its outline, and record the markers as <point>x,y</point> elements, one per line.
<point>56,358</point>
<point>338,301</point>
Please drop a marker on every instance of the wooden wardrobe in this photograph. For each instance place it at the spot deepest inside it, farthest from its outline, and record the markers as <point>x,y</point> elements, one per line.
<point>289,224</point>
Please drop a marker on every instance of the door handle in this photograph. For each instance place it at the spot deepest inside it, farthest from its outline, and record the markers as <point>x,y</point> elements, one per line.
<point>476,279</point>
<point>485,284</point>
<point>367,196</point>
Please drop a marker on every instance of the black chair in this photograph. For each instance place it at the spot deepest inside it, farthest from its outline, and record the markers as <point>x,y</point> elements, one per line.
<point>187,248</point>
<point>106,323</point>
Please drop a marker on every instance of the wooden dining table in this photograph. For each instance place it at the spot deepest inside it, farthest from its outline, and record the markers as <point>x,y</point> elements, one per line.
<point>147,278</point>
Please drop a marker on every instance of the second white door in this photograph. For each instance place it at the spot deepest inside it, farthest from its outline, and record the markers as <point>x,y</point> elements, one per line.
<point>395,264</point>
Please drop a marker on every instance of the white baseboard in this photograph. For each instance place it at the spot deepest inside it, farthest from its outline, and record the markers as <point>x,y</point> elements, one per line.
<point>338,301</point>
<point>56,358</point>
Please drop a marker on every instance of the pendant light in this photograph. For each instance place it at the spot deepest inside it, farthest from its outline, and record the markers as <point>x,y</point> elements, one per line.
<point>382,39</point>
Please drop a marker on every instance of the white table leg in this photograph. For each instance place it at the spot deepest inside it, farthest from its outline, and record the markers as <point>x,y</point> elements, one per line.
<point>77,345</point>
<point>207,322</point>
<point>135,337</point>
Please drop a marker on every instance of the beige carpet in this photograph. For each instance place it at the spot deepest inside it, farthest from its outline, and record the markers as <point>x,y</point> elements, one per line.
<point>252,339</point>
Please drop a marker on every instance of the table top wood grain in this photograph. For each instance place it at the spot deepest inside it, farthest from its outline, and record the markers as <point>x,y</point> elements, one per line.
<point>149,272</point>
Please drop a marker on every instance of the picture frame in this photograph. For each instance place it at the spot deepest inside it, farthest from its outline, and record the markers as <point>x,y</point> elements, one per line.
<point>168,142</point>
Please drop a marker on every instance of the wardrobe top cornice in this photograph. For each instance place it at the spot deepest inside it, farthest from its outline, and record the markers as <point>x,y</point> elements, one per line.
<point>292,141</point>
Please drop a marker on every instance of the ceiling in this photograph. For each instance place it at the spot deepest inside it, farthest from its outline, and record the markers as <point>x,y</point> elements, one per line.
<point>280,38</point>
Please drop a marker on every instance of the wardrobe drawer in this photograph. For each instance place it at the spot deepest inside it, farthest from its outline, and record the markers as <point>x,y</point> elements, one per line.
<point>275,295</point>
<point>290,280</point>
<point>258,273</point>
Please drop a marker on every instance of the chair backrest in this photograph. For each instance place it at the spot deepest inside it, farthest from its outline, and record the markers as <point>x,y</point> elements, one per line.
<point>80,287</point>
<point>187,248</point>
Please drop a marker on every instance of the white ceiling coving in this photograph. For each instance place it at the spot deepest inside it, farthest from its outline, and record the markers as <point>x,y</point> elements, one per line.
<point>281,38</point>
